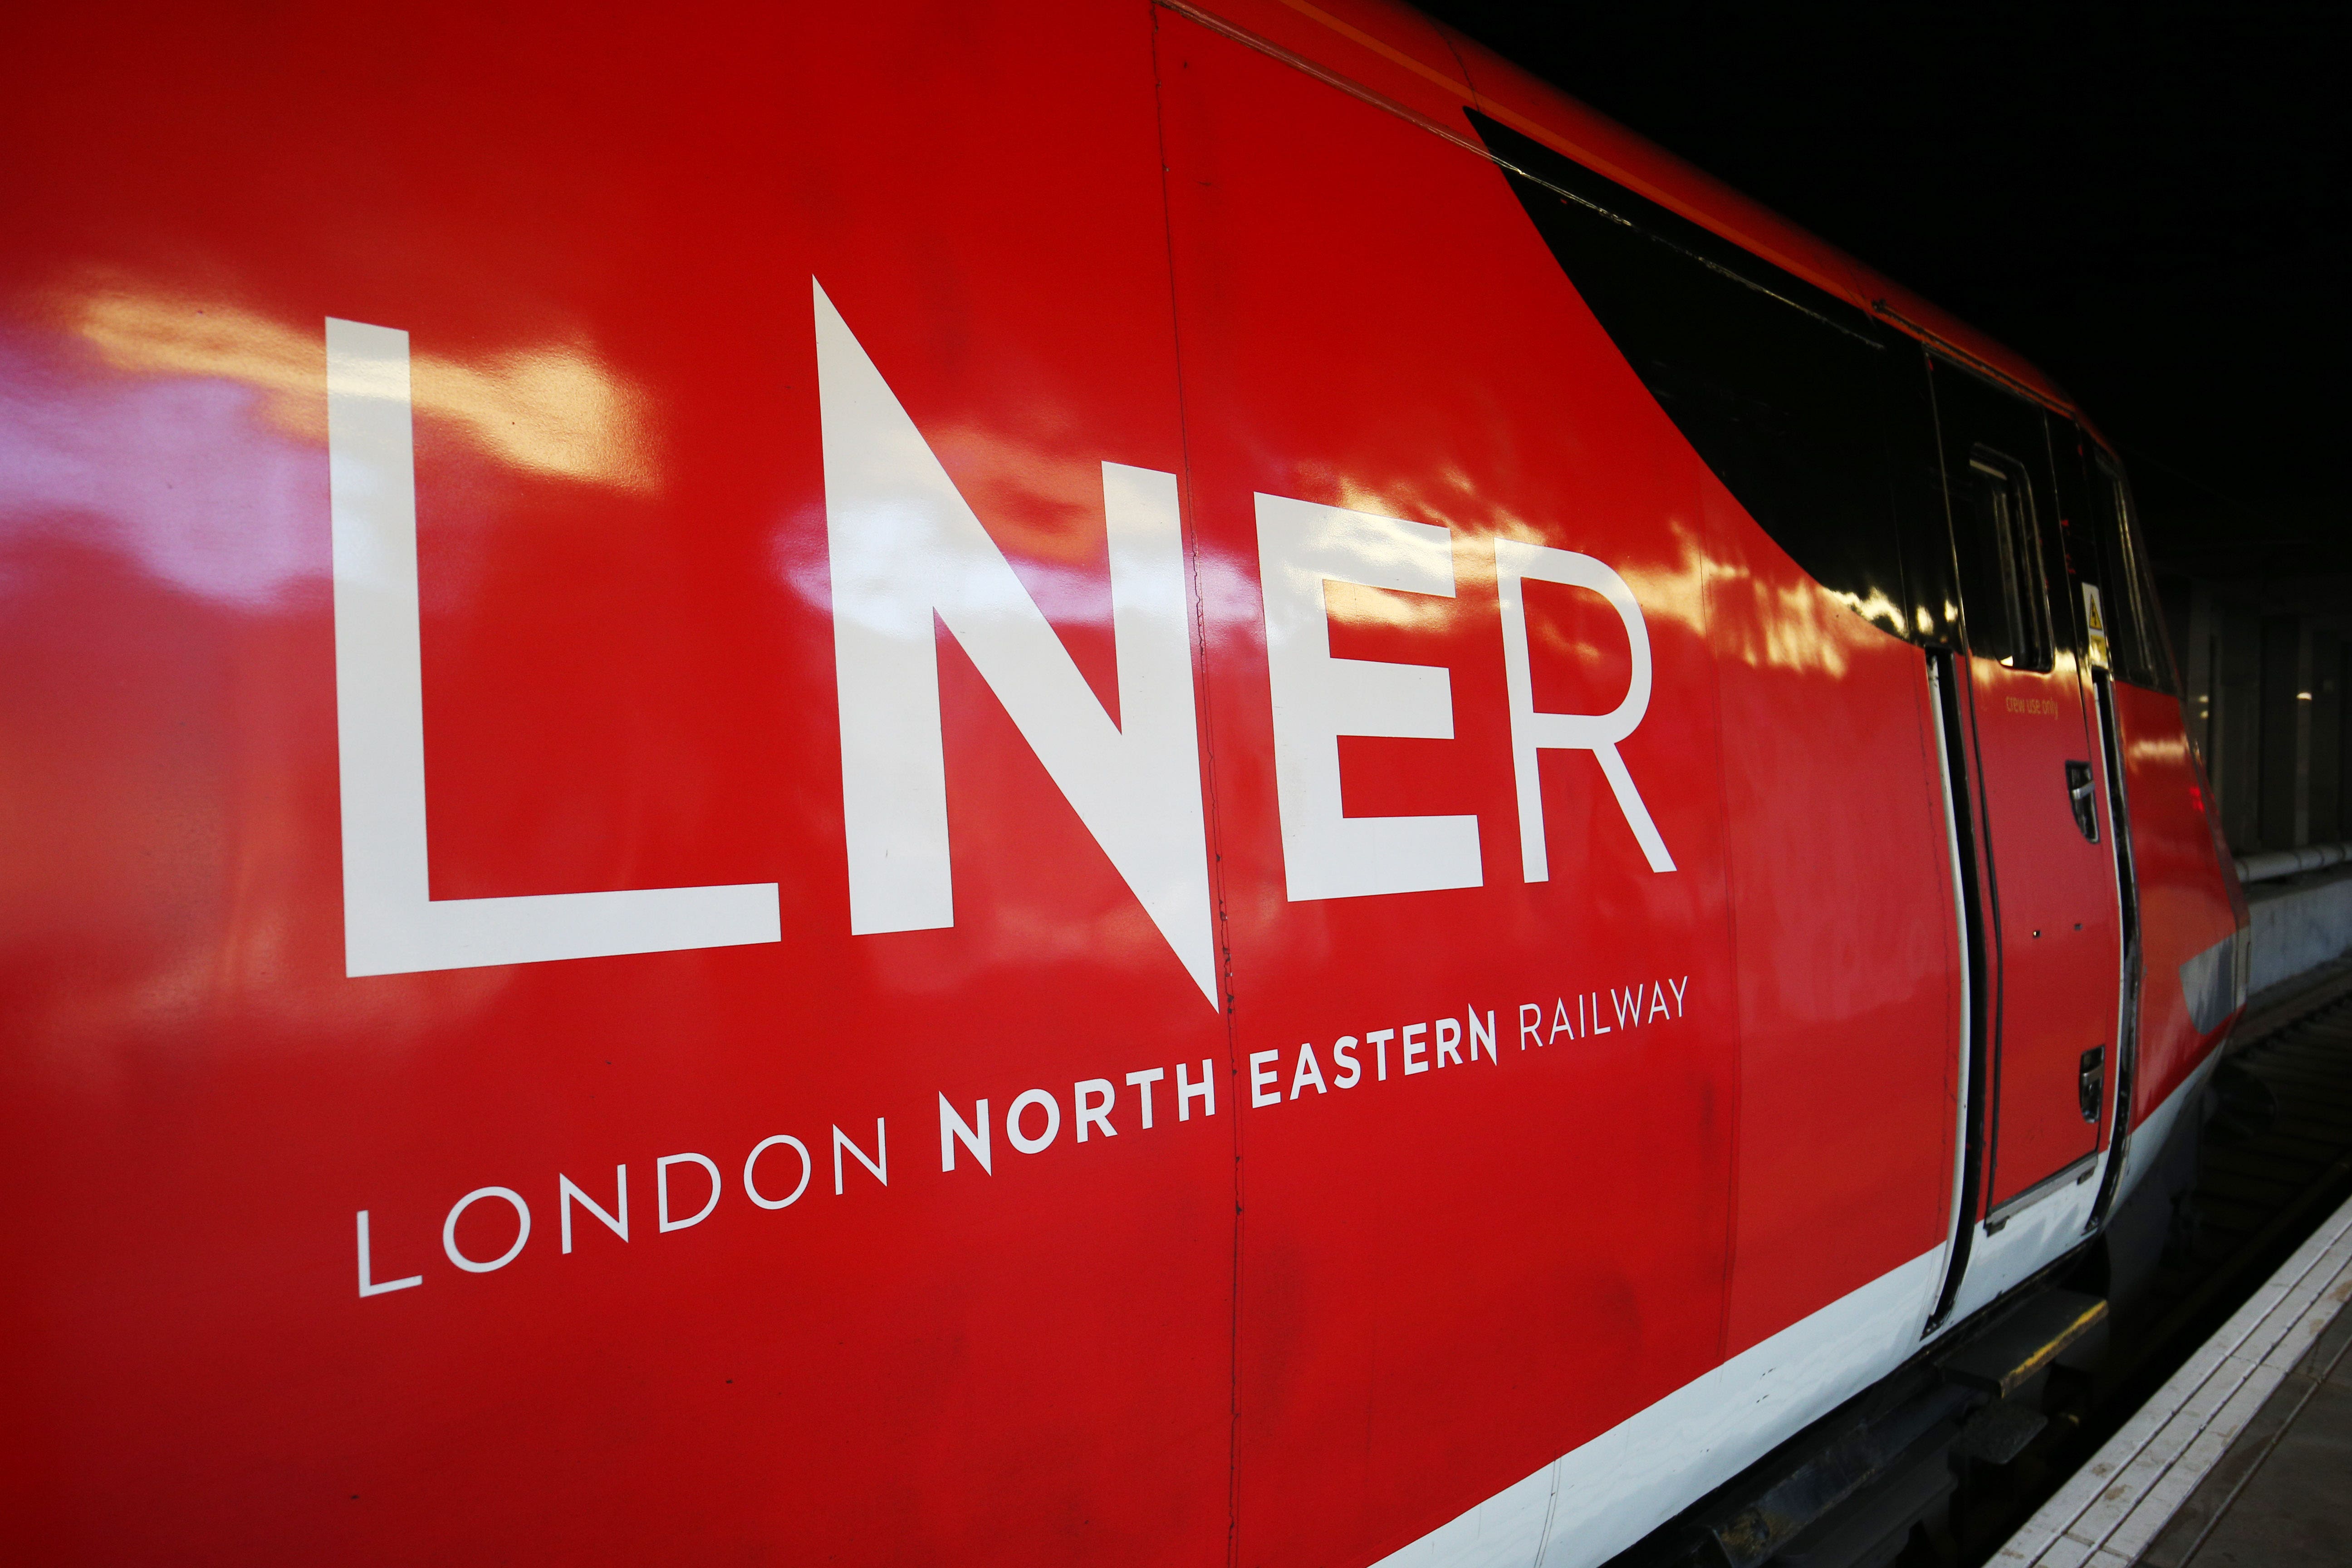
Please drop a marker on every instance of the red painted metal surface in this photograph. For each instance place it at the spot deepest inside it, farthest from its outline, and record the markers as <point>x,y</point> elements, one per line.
<point>2057,933</point>
<point>1294,1320</point>
<point>2188,901</point>
<point>1381,1250</point>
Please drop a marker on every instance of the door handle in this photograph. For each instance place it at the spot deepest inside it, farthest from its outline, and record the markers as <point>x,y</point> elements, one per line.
<point>2078,795</point>
<point>2092,1083</point>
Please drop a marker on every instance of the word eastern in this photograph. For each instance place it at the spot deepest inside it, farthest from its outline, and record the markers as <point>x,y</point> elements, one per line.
<point>1423,1047</point>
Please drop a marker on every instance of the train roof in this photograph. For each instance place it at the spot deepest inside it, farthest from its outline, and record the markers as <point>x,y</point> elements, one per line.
<point>1397,55</point>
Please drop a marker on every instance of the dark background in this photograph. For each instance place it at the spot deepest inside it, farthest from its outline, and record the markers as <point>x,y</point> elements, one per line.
<point>2149,202</point>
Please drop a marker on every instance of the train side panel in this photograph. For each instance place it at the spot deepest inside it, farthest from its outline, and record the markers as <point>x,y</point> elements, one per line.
<point>1462,384</point>
<point>1852,1060</point>
<point>1461,1263</point>
<point>599,233</point>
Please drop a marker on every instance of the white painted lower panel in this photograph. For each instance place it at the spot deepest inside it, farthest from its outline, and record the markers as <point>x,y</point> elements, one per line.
<point>1597,1499</point>
<point>2035,1236</point>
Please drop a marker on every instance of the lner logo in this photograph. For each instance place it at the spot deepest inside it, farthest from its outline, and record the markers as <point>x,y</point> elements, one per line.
<point>904,547</point>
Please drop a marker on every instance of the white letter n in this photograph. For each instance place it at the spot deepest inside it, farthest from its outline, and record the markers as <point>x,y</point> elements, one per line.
<point>904,547</point>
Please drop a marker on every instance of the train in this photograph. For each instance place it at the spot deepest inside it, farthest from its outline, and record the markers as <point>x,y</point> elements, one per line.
<point>1018,781</point>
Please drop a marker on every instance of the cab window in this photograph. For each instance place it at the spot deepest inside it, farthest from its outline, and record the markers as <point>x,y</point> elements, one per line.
<point>2004,590</point>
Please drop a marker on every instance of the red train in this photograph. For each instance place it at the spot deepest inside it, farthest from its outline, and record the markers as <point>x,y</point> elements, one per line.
<point>1203,786</point>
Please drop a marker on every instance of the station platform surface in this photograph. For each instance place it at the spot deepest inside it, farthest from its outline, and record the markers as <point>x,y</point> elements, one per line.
<point>2243,1456</point>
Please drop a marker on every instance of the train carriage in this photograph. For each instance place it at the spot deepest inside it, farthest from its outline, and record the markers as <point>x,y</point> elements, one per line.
<point>1116,783</point>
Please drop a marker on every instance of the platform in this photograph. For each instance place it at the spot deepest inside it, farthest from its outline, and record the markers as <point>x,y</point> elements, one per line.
<point>2243,1456</point>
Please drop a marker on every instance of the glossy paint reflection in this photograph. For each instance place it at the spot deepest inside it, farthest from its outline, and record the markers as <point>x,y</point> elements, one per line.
<point>549,409</point>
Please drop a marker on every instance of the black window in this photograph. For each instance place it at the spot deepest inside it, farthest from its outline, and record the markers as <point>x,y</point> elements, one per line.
<point>2141,653</point>
<point>2004,590</point>
<point>1787,393</point>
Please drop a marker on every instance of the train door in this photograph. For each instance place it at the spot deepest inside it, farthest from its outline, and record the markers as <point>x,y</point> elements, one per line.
<point>2100,558</point>
<point>2051,921</point>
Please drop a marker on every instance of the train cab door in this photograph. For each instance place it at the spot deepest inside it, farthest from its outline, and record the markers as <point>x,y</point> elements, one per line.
<point>2050,919</point>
